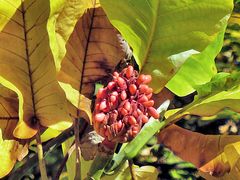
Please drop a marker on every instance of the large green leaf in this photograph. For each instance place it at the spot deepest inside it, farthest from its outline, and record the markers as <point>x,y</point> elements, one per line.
<point>164,33</point>
<point>198,69</point>
<point>27,64</point>
<point>223,91</point>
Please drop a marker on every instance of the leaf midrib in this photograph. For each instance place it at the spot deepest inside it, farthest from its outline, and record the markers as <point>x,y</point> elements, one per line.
<point>27,56</point>
<point>151,35</point>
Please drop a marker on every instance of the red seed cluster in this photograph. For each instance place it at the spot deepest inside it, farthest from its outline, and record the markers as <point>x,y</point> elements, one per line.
<point>124,106</point>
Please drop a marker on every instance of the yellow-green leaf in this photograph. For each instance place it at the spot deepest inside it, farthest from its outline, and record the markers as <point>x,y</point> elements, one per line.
<point>223,91</point>
<point>8,155</point>
<point>63,17</point>
<point>79,101</point>
<point>225,166</point>
<point>164,33</point>
<point>144,172</point>
<point>27,66</point>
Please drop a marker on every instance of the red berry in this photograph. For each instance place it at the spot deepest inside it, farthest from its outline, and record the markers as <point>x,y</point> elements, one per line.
<point>132,89</point>
<point>113,99</point>
<point>140,79</point>
<point>119,125</point>
<point>149,95</point>
<point>111,85</point>
<point>129,71</point>
<point>142,99</point>
<point>153,112</point>
<point>101,93</point>
<point>149,90</point>
<point>148,79</point>
<point>97,105</point>
<point>143,88</point>
<point>99,117</point>
<point>139,112</point>
<point>103,105</point>
<point>149,103</point>
<point>132,120</point>
<point>121,82</point>
<point>144,119</point>
<point>124,112</point>
<point>127,106</point>
<point>135,114</point>
<point>123,95</point>
<point>114,93</point>
<point>116,74</point>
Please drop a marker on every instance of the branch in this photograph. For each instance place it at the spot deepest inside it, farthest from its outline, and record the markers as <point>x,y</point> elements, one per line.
<point>42,165</point>
<point>133,174</point>
<point>31,160</point>
<point>68,154</point>
<point>77,147</point>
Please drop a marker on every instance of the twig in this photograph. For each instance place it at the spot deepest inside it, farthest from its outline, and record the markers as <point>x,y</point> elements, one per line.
<point>41,161</point>
<point>133,174</point>
<point>31,160</point>
<point>77,147</point>
<point>68,154</point>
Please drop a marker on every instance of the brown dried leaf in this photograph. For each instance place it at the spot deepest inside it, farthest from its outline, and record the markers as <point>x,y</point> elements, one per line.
<point>93,51</point>
<point>197,148</point>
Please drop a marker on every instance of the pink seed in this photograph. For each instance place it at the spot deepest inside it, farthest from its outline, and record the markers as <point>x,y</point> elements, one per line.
<point>103,105</point>
<point>116,74</point>
<point>132,120</point>
<point>129,71</point>
<point>113,99</point>
<point>149,103</point>
<point>149,90</point>
<point>101,93</point>
<point>143,99</point>
<point>135,114</point>
<point>97,105</point>
<point>99,117</point>
<point>148,79</point>
<point>139,112</point>
<point>153,112</point>
<point>149,96</point>
<point>123,95</point>
<point>140,79</point>
<point>119,125</point>
<point>132,89</point>
<point>124,112</point>
<point>127,106</point>
<point>114,93</point>
<point>111,85</point>
<point>144,119</point>
<point>121,82</point>
<point>143,88</point>
<point>135,128</point>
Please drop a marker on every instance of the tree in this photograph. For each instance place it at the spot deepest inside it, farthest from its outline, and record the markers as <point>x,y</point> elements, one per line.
<point>54,54</point>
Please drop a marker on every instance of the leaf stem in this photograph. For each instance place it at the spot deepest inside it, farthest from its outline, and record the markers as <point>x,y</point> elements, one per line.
<point>41,161</point>
<point>31,160</point>
<point>133,174</point>
<point>78,150</point>
<point>68,154</point>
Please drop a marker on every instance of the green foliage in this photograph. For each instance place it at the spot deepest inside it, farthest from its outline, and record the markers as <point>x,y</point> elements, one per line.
<point>187,78</point>
<point>221,92</point>
<point>51,56</point>
<point>163,34</point>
